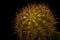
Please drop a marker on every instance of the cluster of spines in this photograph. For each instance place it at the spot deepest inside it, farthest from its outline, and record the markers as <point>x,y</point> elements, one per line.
<point>35,21</point>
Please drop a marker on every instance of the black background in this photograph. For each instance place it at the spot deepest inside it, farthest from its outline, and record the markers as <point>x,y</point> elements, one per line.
<point>13,7</point>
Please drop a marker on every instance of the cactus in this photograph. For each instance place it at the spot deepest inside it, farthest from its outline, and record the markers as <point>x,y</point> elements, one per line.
<point>36,22</point>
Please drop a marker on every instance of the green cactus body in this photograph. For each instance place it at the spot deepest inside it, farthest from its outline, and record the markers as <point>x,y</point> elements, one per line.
<point>36,22</point>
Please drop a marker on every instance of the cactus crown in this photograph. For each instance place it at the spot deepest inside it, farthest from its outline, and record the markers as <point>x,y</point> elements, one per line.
<point>35,22</point>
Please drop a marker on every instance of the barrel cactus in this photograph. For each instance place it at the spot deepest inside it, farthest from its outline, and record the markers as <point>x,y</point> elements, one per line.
<point>36,22</point>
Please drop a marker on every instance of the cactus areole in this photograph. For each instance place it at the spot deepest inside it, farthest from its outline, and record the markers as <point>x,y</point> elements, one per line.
<point>35,22</point>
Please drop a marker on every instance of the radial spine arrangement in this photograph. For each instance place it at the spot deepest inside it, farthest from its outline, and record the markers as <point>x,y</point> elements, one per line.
<point>36,22</point>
